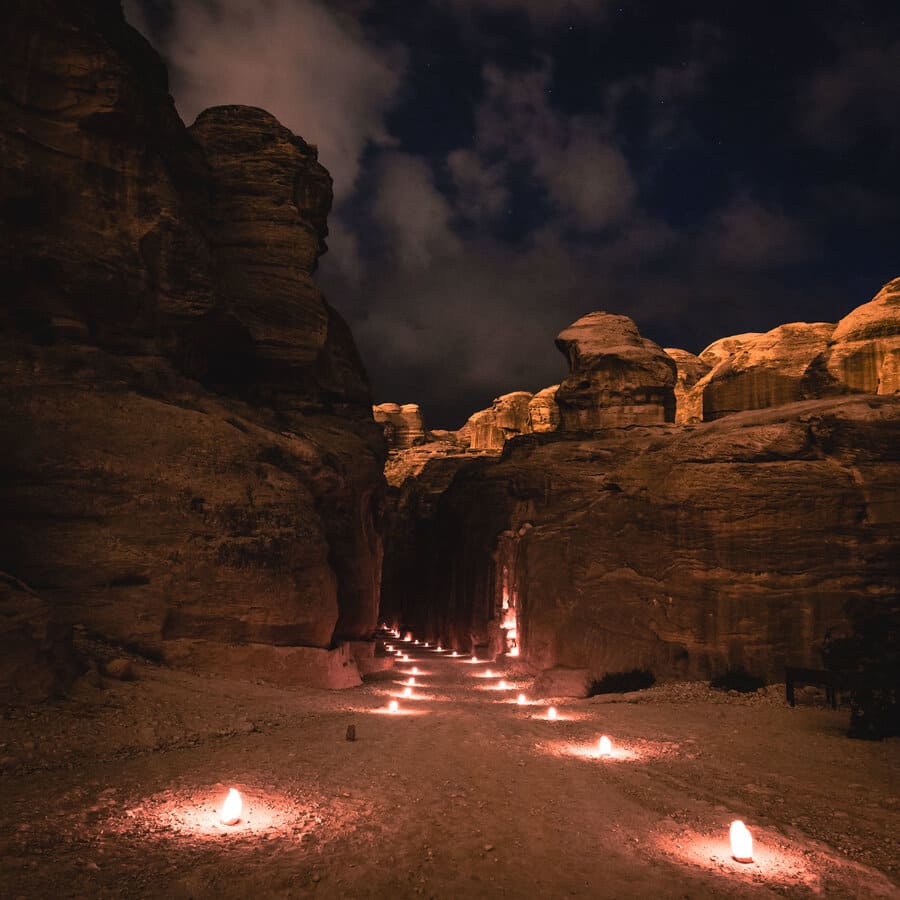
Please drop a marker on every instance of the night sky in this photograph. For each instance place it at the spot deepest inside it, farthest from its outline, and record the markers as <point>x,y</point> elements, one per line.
<point>503,167</point>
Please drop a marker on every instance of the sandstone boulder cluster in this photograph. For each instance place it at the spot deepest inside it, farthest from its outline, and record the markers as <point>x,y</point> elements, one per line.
<point>189,458</point>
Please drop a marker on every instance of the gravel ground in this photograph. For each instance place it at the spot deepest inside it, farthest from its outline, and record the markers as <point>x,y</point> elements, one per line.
<point>114,791</point>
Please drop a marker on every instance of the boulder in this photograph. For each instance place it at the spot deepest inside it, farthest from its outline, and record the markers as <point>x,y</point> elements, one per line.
<point>562,682</point>
<point>616,377</point>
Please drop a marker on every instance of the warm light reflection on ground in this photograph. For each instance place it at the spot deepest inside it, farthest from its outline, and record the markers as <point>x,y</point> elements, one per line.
<point>196,814</point>
<point>415,672</point>
<point>507,686</point>
<point>775,861</point>
<point>622,750</point>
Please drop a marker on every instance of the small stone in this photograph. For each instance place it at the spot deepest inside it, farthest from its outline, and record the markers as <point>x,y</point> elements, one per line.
<point>121,669</point>
<point>488,847</point>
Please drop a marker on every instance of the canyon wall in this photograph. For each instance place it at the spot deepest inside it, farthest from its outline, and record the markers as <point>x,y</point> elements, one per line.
<point>189,462</point>
<point>685,548</point>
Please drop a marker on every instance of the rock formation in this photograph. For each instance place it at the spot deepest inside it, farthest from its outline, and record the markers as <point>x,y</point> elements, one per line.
<point>403,425</point>
<point>543,413</point>
<point>189,455</point>
<point>490,429</point>
<point>736,542</point>
<point>762,370</point>
<point>616,377</point>
<point>688,402</point>
<point>864,353</point>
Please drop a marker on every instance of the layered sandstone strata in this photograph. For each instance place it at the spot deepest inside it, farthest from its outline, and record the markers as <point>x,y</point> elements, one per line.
<point>762,370</point>
<point>189,455</point>
<point>403,425</point>
<point>688,402</point>
<point>864,352</point>
<point>616,376</point>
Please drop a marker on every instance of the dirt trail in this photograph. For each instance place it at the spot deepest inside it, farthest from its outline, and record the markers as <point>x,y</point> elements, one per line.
<point>114,793</point>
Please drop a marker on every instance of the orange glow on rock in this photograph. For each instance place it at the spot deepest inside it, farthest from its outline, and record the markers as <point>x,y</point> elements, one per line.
<point>741,842</point>
<point>232,808</point>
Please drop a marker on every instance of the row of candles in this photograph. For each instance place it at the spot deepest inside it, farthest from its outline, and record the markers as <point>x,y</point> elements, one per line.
<point>740,837</point>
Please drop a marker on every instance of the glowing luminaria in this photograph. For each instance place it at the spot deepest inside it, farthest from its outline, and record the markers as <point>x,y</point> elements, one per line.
<point>407,692</point>
<point>741,842</point>
<point>393,706</point>
<point>605,746</point>
<point>551,713</point>
<point>232,808</point>
<point>521,700</point>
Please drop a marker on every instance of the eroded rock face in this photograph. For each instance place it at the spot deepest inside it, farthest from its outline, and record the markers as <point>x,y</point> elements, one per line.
<point>508,416</point>
<point>403,425</point>
<point>616,377</point>
<point>189,455</point>
<point>864,353</point>
<point>543,412</point>
<point>761,370</point>
<point>690,369</point>
<point>685,551</point>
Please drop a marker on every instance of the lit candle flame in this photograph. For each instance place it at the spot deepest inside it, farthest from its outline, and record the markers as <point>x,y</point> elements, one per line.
<point>407,692</point>
<point>489,674</point>
<point>551,713</point>
<point>474,659</point>
<point>741,842</point>
<point>425,644</point>
<point>439,649</point>
<point>411,681</point>
<point>454,653</point>
<point>502,685</point>
<point>393,706</point>
<point>605,746</point>
<point>230,813</point>
<point>415,670</point>
<point>521,700</point>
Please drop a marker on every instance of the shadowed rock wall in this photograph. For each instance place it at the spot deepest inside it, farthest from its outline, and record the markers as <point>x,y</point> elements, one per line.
<point>188,457</point>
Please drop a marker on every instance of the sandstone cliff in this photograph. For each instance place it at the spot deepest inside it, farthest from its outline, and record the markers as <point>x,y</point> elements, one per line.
<point>688,551</point>
<point>190,466</point>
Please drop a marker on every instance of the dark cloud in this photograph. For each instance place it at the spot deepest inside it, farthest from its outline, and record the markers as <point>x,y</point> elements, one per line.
<point>855,98</point>
<point>311,67</point>
<point>503,167</point>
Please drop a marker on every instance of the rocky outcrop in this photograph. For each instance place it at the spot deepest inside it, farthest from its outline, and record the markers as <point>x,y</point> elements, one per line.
<point>490,429</point>
<point>689,551</point>
<point>737,542</point>
<point>616,377</point>
<point>403,425</point>
<point>543,413</point>
<point>688,402</point>
<point>864,352</point>
<point>189,457</point>
<point>762,370</point>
